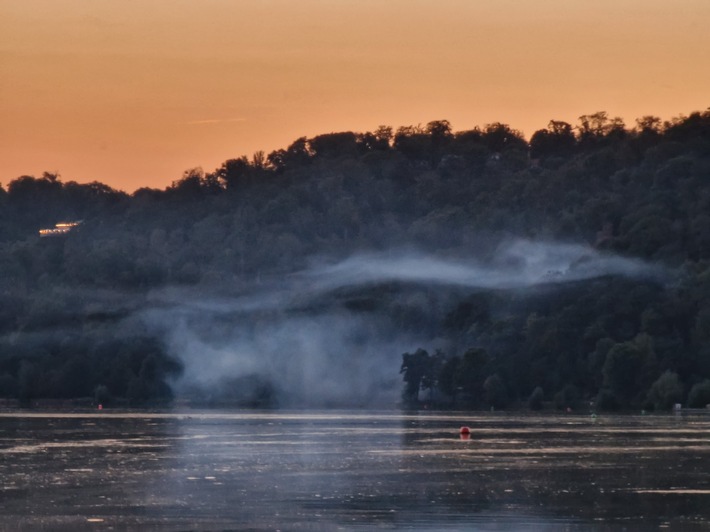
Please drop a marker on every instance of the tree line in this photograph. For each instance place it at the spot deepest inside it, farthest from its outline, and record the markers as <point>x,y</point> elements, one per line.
<point>644,191</point>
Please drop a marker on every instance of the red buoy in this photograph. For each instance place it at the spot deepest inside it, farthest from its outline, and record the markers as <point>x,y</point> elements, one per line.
<point>465,430</point>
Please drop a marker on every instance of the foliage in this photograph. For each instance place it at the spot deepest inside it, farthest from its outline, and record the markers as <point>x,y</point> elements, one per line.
<point>666,391</point>
<point>66,302</point>
<point>535,401</point>
<point>699,396</point>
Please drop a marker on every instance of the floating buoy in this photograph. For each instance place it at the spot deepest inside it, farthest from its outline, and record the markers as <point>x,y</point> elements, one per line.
<point>101,407</point>
<point>465,430</point>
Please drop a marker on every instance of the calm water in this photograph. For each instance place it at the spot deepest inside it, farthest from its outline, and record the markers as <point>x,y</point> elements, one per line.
<point>349,470</point>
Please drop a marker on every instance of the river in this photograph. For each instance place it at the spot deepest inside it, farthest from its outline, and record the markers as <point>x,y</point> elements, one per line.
<point>352,470</point>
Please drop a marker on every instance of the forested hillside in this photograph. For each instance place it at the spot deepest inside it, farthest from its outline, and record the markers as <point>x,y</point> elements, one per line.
<point>302,276</point>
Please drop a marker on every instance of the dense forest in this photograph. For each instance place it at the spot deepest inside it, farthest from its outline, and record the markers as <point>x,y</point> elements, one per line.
<point>469,269</point>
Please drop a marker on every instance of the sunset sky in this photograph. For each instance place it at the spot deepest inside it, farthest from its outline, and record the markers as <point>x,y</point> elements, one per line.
<point>133,92</point>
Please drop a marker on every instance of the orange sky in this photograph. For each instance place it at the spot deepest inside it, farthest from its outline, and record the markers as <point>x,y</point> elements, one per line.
<point>134,92</point>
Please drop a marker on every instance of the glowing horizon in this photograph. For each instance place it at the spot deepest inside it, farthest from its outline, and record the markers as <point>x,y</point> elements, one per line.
<point>133,93</point>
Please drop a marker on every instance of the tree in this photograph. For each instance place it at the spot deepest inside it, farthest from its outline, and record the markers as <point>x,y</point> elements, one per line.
<point>383,136</point>
<point>194,184</point>
<point>597,128</point>
<point>665,392</point>
<point>500,137</point>
<point>413,142</point>
<point>40,200</point>
<point>448,377</point>
<point>430,381</point>
<point>699,396</point>
<point>635,194</point>
<point>649,125</point>
<point>621,369</point>
<point>439,129</point>
<point>536,398</point>
<point>258,160</point>
<point>557,140</point>
<point>102,395</point>
<point>567,397</point>
<point>472,373</point>
<point>375,141</point>
<point>27,378</point>
<point>416,367</point>
<point>594,126</point>
<point>334,145</point>
<point>234,173</point>
<point>440,137</point>
<point>296,155</point>
<point>494,392</point>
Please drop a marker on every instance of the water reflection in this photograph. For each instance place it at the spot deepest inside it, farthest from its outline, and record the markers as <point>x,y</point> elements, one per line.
<point>351,470</point>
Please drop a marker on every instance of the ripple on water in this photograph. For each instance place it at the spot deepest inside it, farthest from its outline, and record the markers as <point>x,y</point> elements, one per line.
<point>331,470</point>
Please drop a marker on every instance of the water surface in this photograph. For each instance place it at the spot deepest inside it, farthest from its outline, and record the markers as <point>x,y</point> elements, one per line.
<point>352,470</point>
